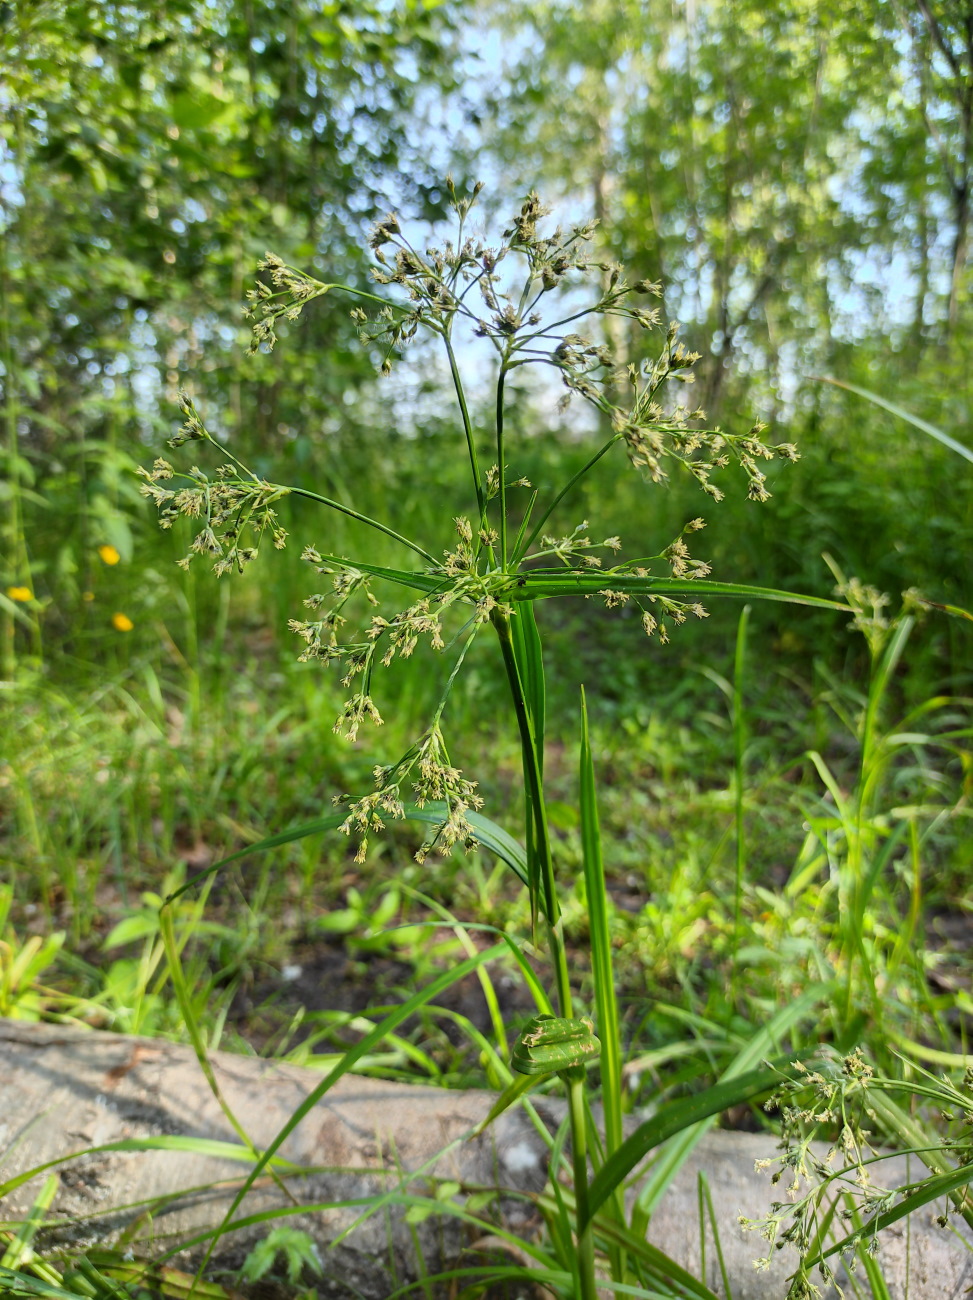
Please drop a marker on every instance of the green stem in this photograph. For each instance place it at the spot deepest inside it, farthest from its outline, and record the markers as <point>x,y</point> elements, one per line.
<point>18,557</point>
<point>501,470</point>
<point>542,835</point>
<point>225,451</point>
<point>535,793</point>
<point>739,747</point>
<point>12,529</point>
<point>467,428</point>
<point>550,331</point>
<point>541,847</point>
<point>323,288</point>
<point>454,674</point>
<point>579,1156</point>
<point>362,519</point>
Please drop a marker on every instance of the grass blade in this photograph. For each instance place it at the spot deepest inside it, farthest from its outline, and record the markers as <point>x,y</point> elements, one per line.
<point>763,1042</point>
<point>606,1005</point>
<point>530,663</point>
<point>706,1211</point>
<point>489,834</point>
<point>931,1189</point>
<point>167,930</point>
<point>537,584</point>
<point>673,1119</point>
<point>513,1092</point>
<point>902,413</point>
<point>526,645</point>
<point>909,1131</point>
<point>19,1248</point>
<point>170,1142</point>
<point>739,747</point>
<point>367,1044</point>
<point>19,1284</point>
<point>685,1119</point>
<point>870,1265</point>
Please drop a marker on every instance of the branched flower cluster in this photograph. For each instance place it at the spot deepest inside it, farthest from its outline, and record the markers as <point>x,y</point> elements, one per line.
<point>575,551</point>
<point>437,282</point>
<point>499,290</point>
<point>575,548</point>
<point>235,512</point>
<point>434,780</point>
<point>869,605</point>
<point>831,1102</point>
<point>653,431</point>
<point>288,293</point>
<point>384,639</point>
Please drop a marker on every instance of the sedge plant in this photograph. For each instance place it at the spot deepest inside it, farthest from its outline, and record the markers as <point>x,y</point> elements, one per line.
<point>527,297</point>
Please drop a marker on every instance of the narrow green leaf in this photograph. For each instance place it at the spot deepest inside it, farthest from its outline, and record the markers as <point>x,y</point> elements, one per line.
<point>538,992</point>
<point>707,1212</point>
<point>759,1047</point>
<point>197,1145</point>
<point>168,933</point>
<point>370,1204</point>
<point>15,610</point>
<point>902,413</point>
<point>739,771</point>
<point>955,610</point>
<point>351,1056</point>
<point>869,1263</point>
<point>932,1189</point>
<point>672,1119</point>
<point>427,582</point>
<point>520,1084</point>
<point>599,929</point>
<point>882,675</point>
<point>489,833</point>
<point>912,1134</point>
<point>20,1284</point>
<point>661,1269</point>
<point>547,1281</point>
<point>19,1248</point>
<point>530,662</point>
<point>145,1273</point>
<point>537,584</point>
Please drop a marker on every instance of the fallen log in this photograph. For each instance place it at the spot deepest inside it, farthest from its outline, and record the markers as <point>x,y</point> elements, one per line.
<point>67,1094</point>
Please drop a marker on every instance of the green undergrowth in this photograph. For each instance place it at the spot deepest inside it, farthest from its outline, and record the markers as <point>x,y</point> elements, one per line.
<point>782,838</point>
<point>747,864</point>
<point>114,794</point>
<point>125,789</point>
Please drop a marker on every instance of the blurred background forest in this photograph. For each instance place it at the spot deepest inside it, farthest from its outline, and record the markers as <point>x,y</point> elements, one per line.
<point>798,175</point>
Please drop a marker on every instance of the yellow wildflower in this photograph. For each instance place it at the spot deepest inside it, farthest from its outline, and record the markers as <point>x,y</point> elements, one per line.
<point>108,554</point>
<point>87,595</point>
<point>23,594</point>
<point>122,622</point>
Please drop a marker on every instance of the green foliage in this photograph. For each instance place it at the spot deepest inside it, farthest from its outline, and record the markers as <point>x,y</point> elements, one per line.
<point>487,575</point>
<point>22,995</point>
<point>297,1248</point>
<point>153,152</point>
<point>795,174</point>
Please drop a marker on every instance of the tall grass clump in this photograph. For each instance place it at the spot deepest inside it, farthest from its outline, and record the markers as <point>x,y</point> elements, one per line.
<point>526,298</point>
